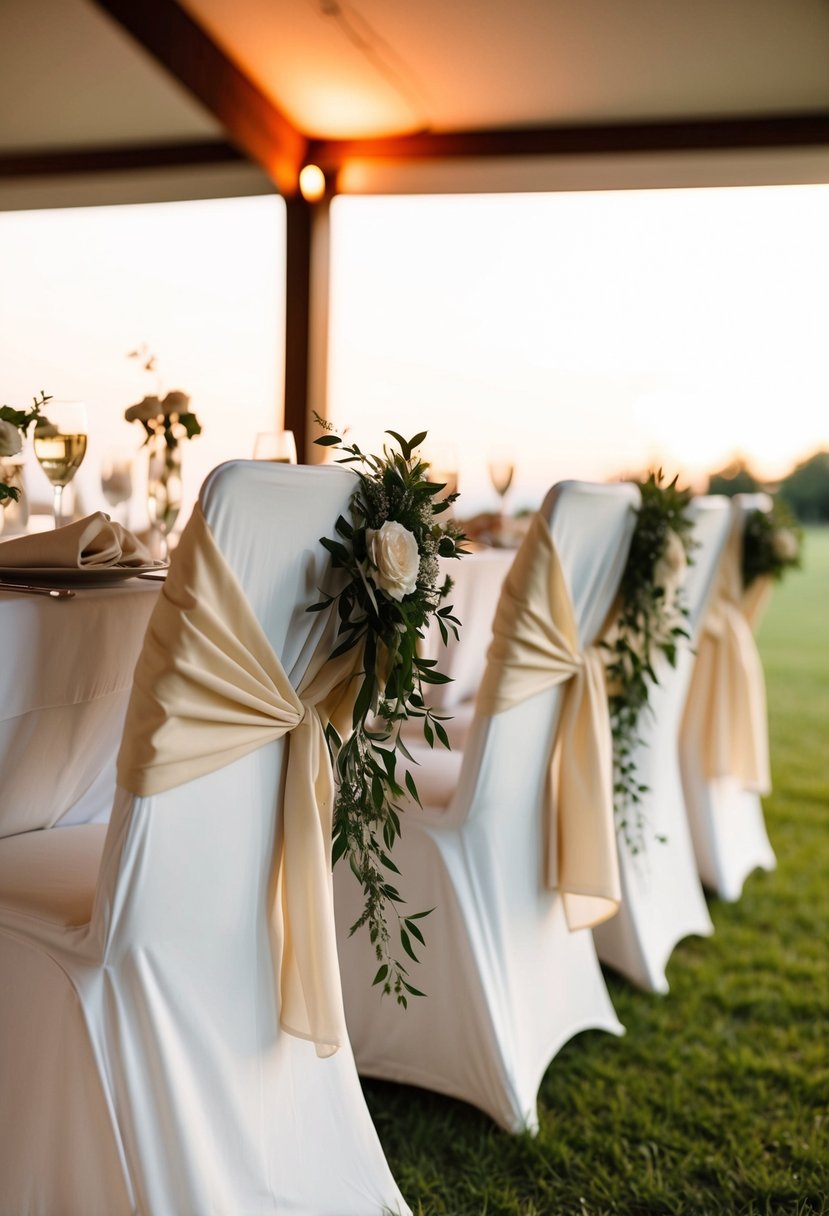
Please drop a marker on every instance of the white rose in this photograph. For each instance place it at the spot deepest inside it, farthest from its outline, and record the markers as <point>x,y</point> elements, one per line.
<point>669,571</point>
<point>393,552</point>
<point>784,544</point>
<point>10,440</point>
<point>149,408</point>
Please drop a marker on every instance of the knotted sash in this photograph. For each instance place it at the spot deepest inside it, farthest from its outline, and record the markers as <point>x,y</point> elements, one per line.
<point>535,646</point>
<point>728,677</point>
<point>208,688</point>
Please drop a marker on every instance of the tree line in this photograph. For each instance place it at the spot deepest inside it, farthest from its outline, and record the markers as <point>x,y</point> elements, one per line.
<point>805,490</point>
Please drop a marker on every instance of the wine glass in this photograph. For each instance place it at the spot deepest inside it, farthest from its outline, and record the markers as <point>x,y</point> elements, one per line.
<point>116,478</point>
<point>443,466</point>
<point>278,446</point>
<point>60,446</point>
<point>501,472</point>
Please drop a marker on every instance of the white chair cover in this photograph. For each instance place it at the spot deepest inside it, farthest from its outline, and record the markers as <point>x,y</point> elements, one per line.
<point>64,685</point>
<point>662,899</point>
<point>726,817</point>
<point>508,983</point>
<point>144,1067</point>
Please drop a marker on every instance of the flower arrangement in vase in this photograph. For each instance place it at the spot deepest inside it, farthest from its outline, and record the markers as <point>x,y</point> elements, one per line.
<point>167,421</point>
<point>14,425</point>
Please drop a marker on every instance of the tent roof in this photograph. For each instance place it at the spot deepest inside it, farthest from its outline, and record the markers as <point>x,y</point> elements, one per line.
<point>288,79</point>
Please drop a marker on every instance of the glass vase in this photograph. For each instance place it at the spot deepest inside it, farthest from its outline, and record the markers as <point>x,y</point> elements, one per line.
<point>163,488</point>
<point>14,516</point>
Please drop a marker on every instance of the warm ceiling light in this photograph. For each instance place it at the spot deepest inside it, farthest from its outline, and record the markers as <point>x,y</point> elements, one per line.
<point>312,183</point>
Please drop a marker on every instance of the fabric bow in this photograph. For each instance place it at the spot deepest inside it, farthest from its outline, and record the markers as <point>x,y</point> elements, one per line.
<point>728,678</point>
<point>535,646</point>
<point>208,689</point>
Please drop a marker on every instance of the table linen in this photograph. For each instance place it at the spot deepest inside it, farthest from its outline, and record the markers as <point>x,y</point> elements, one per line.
<point>64,685</point>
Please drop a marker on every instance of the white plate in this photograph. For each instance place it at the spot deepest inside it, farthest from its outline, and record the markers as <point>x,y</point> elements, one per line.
<point>99,575</point>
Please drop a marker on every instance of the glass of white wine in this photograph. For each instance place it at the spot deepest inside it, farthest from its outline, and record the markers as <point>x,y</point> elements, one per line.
<point>278,446</point>
<point>60,446</point>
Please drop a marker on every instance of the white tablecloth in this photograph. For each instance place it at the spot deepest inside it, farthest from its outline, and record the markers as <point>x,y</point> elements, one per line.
<point>478,579</point>
<point>65,677</point>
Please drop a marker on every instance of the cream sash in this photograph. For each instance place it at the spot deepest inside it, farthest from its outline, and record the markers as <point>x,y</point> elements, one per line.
<point>535,646</point>
<point>208,688</point>
<point>728,677</point>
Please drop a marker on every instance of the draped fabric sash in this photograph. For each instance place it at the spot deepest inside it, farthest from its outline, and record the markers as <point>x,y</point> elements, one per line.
<point>728,677</point>
<point>208,689</point>
<point>535,646</point>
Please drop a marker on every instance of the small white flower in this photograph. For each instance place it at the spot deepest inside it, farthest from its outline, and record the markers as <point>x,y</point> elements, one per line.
<point>10,439</point>
<point>669,572</point>
<point>145,410</point>
<point>784,544</point>
<point>393,552</point>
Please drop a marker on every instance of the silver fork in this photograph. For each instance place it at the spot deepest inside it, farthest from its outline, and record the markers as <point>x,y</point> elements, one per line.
<point>55,593</point>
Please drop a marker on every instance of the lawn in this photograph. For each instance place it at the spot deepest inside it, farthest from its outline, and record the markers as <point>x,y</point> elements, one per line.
<point>716,1102</point>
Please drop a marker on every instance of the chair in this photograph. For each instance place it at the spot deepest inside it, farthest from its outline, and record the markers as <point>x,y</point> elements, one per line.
<point>146,1066</point>
<point>724,740</point>
<point>507,980</point>
<point>662,900</point>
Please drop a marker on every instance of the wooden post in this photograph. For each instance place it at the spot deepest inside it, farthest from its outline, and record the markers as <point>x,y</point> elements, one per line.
<point>297,320</point>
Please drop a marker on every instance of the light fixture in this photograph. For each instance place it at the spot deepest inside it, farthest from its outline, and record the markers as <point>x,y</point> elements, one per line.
<point>312,183</point>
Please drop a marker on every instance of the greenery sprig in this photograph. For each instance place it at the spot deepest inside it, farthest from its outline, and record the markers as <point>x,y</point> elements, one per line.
<point>20,420</point>
<point>389,550</point>
<point>772,542</point>
<point>651,621</point>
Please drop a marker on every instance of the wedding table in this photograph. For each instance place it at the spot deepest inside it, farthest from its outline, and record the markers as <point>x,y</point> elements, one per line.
<point>65,678</point>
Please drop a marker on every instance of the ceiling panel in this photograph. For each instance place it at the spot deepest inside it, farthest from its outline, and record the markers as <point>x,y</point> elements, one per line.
<point>374,68</point>
<point>71,78</point>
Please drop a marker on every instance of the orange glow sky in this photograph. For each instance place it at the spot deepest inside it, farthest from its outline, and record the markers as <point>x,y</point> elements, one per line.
<point>587,333</point>
<point>590,333</point>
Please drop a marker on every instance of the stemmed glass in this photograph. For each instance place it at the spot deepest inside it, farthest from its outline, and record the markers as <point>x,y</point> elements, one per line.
<point>116,478</point>
<point>443,466</point>
<point>278,446</point>
<point>60,446</point>
<point>501,472</point>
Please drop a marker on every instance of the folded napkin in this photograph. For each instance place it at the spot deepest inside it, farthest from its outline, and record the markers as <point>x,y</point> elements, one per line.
<point>90,543</point>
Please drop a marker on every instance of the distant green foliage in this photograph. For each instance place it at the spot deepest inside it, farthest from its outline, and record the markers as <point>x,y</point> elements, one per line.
<point>735,478</point>
<point>771,543</point>
<point>806,489</point>
<point>715,1101</point>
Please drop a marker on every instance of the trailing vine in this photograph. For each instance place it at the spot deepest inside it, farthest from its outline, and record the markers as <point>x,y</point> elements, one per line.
<point>651,621</point>
<point>390,549</point>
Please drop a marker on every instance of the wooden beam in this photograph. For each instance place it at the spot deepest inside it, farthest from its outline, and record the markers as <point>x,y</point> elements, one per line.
<point>685,135</point>
<point>297,320</point>
<point>251,119</point>
<point>66,161</point>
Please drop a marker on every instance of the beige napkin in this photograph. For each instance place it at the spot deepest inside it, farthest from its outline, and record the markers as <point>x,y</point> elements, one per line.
<point>535,645</point>
<point>208,688</point>
<point>90,543</point>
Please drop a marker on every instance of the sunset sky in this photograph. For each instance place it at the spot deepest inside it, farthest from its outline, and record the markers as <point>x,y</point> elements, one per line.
<point>587,333</point>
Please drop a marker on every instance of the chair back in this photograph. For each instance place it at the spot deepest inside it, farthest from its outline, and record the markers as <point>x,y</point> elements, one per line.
<point>711,514</point>
<point>184,891</point>
<point>507,758</point>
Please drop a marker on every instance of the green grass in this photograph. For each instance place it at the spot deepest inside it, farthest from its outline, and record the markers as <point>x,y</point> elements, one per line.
<point>716,1102</point>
